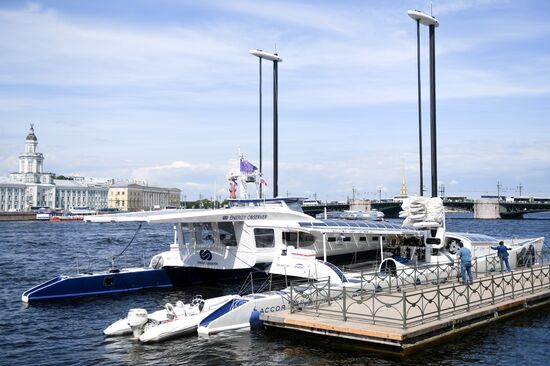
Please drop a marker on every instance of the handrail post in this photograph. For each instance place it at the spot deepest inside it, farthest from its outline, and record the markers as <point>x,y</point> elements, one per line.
<point>328,291</point>
<point>361,285</point>
<point>438,302</point>
<point>422,308</point>
<point>404,300</point>
<point>291,298</point>
<point>492,289</point>
<point>513,285</point>
<point>532,281</point>
<point>468,296</point>
<point>391,278</point>
<point>344,306</point>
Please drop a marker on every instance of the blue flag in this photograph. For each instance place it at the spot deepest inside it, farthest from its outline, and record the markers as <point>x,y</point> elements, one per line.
<point>247,167</point>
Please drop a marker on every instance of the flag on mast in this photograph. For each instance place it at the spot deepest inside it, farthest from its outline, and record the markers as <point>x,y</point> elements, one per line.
<point>247,167</point>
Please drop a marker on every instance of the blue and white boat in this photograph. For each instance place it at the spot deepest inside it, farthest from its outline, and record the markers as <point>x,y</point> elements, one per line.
<point>97,283</point>
<point>230,312</point>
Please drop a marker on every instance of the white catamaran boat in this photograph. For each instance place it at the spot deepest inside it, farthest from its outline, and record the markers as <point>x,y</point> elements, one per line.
<point>229,243</point>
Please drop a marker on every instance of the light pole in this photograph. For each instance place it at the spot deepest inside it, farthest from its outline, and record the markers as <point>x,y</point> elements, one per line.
<point>419,104</point>
<point>432,23</point>
<point>276,59</point>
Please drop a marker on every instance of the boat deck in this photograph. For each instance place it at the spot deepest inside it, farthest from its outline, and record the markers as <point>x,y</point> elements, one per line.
<point>405,321</point>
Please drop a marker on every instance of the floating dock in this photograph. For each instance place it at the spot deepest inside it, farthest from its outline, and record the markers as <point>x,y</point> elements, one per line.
<point>412,319</point>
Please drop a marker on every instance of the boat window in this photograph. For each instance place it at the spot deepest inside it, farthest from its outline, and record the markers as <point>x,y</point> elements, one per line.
<point>186,235</point>
<point>204,234</point>
<point>295,206</point>
<point>227,234</point>
<point>265,238</point>
<point>298,239</point>
<point>331,239</point>
<point>362,238</point>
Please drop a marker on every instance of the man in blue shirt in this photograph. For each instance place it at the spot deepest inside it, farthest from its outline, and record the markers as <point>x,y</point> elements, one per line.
<point>465,257</point>
<point>502,252</point>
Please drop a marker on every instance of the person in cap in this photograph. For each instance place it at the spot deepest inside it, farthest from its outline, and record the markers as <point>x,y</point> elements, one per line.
<point>465,257</point>
<point>502,252</point>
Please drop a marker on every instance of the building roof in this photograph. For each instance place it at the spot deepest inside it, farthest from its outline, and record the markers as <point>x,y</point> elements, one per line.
<point>143,187</point>
<point>11,182</point>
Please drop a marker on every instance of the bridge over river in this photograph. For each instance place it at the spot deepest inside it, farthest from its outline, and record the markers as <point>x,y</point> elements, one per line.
<point>482,208</point>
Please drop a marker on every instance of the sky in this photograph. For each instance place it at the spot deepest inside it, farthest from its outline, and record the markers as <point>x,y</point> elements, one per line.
<point>166,91</point>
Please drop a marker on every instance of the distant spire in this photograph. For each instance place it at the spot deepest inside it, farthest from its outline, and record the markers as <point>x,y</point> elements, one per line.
<point>403,190</point>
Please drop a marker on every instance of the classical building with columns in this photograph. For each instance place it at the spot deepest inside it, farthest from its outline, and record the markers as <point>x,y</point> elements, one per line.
<point>39,187</point>
<point>30,187</point>
<point>136,197</point>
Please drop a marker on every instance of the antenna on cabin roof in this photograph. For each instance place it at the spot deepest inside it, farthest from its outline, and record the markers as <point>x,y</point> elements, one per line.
<point>431,8</point>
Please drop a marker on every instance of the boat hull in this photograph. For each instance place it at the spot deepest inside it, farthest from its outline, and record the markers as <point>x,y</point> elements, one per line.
<point>186,276</point>
<point>104,283</point>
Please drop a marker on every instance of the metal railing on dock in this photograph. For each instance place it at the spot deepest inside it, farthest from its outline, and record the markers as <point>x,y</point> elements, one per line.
<point>406,297</point>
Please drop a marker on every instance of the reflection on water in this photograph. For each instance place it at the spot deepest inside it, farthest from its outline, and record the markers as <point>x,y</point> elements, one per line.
<point>70,332</point>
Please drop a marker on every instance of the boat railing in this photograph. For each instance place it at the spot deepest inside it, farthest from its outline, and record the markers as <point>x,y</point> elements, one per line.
<point>260,283</point>
<point>405,305</point>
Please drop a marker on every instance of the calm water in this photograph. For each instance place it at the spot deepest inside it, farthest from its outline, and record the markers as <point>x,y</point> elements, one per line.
<point>70,332</point>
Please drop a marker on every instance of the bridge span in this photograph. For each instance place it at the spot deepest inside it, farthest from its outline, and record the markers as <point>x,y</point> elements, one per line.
<point>482,208</point>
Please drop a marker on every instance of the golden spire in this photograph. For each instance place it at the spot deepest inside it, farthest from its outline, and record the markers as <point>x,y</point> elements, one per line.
<point>403,190</point>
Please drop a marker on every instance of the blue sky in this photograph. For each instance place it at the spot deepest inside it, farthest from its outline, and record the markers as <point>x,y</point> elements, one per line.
<point>166,91</point>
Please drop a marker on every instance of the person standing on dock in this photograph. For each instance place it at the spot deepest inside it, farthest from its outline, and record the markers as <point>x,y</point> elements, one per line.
<point>465,257</point>
<point>502,252</point>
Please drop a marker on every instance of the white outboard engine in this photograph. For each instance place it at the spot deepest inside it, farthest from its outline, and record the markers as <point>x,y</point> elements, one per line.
<point>136,320</point>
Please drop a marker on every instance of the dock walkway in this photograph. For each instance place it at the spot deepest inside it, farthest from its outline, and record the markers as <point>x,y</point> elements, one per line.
<point>410,319</point>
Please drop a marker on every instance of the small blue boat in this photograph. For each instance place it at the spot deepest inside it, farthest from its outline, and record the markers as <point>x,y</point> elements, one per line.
<point>100,283</point>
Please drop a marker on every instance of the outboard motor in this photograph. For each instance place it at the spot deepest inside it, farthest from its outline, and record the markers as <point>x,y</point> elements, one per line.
<point>136,320</point>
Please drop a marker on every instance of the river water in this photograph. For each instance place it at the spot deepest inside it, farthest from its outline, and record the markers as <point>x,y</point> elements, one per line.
<point>70,332</point>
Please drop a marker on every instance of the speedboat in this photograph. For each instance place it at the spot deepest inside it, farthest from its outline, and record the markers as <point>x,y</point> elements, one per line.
<point>169,322</point>
<point>231,312</point>
<point>244,311</point>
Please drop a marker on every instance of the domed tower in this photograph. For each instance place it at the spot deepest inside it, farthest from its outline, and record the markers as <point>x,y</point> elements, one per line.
<point>31,161</point>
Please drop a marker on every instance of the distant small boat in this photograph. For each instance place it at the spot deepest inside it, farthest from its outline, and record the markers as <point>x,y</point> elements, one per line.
<point>82,210</point>
<point>43,214</point>
<point>66,218</point>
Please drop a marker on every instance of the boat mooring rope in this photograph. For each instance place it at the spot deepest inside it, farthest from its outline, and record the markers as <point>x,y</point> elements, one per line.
<point>118,255</point>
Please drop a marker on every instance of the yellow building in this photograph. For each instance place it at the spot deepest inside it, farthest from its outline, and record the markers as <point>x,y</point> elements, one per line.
<point>136,197</point>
